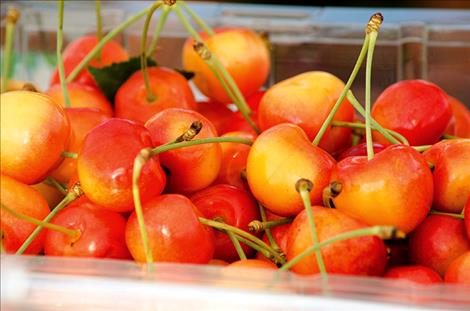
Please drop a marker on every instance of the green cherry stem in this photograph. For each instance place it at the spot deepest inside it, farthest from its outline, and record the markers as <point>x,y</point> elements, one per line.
<point>379,128</point>
<point>341,97</point>
<point>34,221</point>
<point>267,229</point>
<point>99,24</point>
<point>67,154</point>
<point>11,18</point>
<point>53,182</point>
<point>203,25</point>
<point>236,244</point>
<point>422,148</point>
<point>257,226</point>
<point>448,136</point>
<point>384,232</point>
<point>109,36</point>
<point>357,125</point>
<point>304,187</point>
<point>458,216</point>
<point>60,62</point>
<point>158,29</point>
<point>74,193</point>
<point>372,31</point>
<point>269,253</point>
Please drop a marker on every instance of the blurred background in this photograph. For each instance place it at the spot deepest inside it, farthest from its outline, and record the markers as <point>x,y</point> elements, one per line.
<point>419,39</point>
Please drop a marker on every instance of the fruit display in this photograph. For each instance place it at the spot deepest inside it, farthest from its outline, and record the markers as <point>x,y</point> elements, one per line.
<point>297,180</point>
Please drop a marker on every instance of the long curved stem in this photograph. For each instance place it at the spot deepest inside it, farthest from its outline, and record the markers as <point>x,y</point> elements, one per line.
<point>341,97</point>
<point>370,55</point>
<point>11,18</point>
<point>236,244</point>
<point>267,229</point>
<point>99,23</point>
<point>158,29</point>
<point>199,21</point>
<point>56,184</point>
<point>60,62</point>
<point>363,126</point>
<point>94,52</point>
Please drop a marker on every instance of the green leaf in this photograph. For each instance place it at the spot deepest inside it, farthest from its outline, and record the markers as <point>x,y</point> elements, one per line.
<point>110,78</point>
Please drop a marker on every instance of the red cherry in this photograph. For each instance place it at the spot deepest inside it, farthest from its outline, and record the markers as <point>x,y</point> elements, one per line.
<point>417,274</point>
<point>459,124</point>
<point>280,235</point>
<point>360,150</point>
<point>235,207</point>
<point>101,233</point>
<point>254,100</point>
<point>217,113</point>
<point>459,270</point>
<point>76,51</point>
<point>237,123</point>
<point>105,165</point>
<point>174,232</point>
<point>417,109</point>
<point>437,241</point>
<point>466,216</point>
<point>170,88</point>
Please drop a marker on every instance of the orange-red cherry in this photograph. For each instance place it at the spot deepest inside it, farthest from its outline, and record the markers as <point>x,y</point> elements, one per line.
<point>417,274</point>
<point>459,124</point>
<point>459,270</point>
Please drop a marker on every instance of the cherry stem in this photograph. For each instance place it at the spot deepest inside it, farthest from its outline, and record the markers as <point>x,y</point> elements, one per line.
<point>243,234</point>
<point>53,182</point>
<point>369,140</point>
<point>158,29</point>
<point>384,232</point>
<point>341,97</point>
<point>267,253</point>
<point>448,136</point>
<point>218,69</point>
<point>268,232</point>
<point>142,158</point>
<point>34,221</point>
<point>257,226</point>
<point>304,187</point>
<point>60,62</point>
<point>422,148</point>
<point>99,24</point>
<point>379,128</point>
<point>236,244</point>
<point>203,25</point>
<point>74,193</point>
<point>108,37</point>
<point>11,18</point>
<point>68,154</point>
<point>458,216</point>
<point>357,125</point>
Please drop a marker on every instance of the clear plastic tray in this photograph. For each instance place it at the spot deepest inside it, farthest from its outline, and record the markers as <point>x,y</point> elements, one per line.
<point>52,283</point>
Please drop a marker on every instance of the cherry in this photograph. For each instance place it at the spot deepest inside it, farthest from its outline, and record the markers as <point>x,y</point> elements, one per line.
<point>25,200</point>
<point>466,218</point>
<point>81,96</point>
<point>192,168</point>
<point>76,51</point>
<point>174,232</point>
<point>417,274</point>
<point>254,100</point>
<point>280,235</point>
<point>237,123</point>
<point>459,270</point>
<point>31,143</point>
<point>101,233</point>
<point>366,255</point>
<point>82,121</point>
<point>278,158</point>
<point>241,51</point>
<point>459,124</point>
<point>234,158</point>
<point>451,174</point>
<point>105,164</point>
<point>232,206</point>
<point>359,150</point>
<point>170,88</point>
<point>217,113</point>
<point>306,100</point>
<point>437,241</point>
<point>417,109</point>
<point>394,188</point>
<point>49,192</point>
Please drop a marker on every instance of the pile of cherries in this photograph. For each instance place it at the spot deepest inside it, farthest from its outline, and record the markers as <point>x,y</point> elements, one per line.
<point>164,178</point>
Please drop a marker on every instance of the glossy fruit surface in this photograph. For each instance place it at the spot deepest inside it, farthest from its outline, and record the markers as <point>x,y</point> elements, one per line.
<point>279,157</point>
<point>451,174</point>
<point>34,133</point>
<point>101,233</point>
<point>105,165</point>
<point>241,51</point>
<point>76,51</point>
<point>394,188</point>
<point>81,96</point>
<point>24,200</point>
<point>365,255</point>
<point>360,150</point>
<point>233,206</point>
<point>190,168</point>
<point>217,113</point>
<point>459,270</point>
<point>437,241</point>
<point>306,100</point>
<point>174,232</point>
<point>169,87</point>
<point>417,109</point>
<point>417,274</point>
<point>459,124</point>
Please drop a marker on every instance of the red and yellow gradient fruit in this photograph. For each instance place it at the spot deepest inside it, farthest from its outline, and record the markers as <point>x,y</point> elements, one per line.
<point>459,270</point>
<point>34,133</point>
<point>459,124</point>
<point>417,274</point>
<point>241,51</point>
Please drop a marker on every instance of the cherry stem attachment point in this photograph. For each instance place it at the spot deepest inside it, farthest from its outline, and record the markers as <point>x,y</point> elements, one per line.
<point>257,226</point>
<point>11,18</point>
<point>70,232</point>
<point>73,194</point>
<point>383,232</point>
<point>60,61</point>
<point>67,154</point>
<point>56,184</point>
